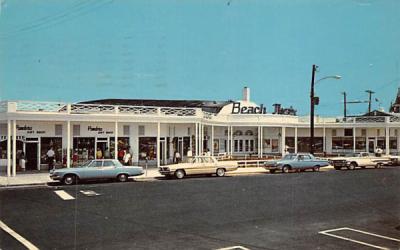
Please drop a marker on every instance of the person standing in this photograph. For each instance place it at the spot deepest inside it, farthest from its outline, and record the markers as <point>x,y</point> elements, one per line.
<point>127,158</point>
<point>177,157</point>
<point>99,154</point>
<point>50,158</point>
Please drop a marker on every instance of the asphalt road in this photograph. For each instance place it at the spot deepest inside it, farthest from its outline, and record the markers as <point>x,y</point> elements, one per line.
<point>280,211</point>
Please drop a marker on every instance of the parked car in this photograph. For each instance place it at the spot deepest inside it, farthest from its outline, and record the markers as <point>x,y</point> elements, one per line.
<point>298,162</point>
<point>362,160</point>
<point>96,169</point>
<point>199,165</point>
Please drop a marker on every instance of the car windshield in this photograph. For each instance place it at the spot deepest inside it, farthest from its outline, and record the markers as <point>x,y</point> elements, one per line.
<point>85,164</point>
<point>289,157</point>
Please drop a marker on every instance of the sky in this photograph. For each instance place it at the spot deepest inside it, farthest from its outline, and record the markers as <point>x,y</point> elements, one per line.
<point>76,50</point>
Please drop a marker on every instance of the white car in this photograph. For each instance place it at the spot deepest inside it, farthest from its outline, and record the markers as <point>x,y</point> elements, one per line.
<point>199,165</point>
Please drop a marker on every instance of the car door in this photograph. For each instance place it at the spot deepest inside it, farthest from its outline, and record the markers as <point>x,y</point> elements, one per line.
<point>298,162</point>
<point>200,166</point>
<point>307,162</point>
<point>109,170</point>
<point>91,171</point>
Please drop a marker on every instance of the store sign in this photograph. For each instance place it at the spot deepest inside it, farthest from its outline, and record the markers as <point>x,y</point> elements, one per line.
<point>246,110</point>
<point>29,130</point>
<point>99,130</point>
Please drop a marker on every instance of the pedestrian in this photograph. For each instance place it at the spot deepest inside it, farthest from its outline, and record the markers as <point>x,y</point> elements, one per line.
<point>99,154</point>
<point>127,158</point>
<point>107,153</point>
<point>378,152</point>
<point>208,153</point>
<point>177,157</point>
<point>121,154</point>
<point>50,158</point>
<point>22,161</point>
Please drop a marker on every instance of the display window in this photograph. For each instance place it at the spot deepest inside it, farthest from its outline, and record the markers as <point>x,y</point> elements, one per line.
<point>123,144</point>
<point>51,142</point>
<point>83,149</point>
<point>147,148</point>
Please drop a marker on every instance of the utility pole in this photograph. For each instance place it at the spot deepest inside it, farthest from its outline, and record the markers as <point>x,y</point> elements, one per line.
<point>344,105</point>
<point>312,99</point>
<point>370,92</point>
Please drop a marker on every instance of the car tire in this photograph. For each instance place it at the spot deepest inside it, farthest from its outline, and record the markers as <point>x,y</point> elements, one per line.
<point>272,171</point>
<point>285,169</point>
<point>352,166</point>
<point>69,179</point>
<point>122,177</point>
<point>316,168</point>
<point>179,174</point>
<point>378,165</point>
<point>220,172</point>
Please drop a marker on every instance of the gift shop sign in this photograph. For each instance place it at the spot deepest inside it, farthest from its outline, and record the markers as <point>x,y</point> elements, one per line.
<point>29,130</point>
<point>99,130</point>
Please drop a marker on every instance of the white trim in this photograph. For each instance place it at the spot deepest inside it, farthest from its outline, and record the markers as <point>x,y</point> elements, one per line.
<point>158,144</point>
<point>68,144</point>
<point>14,148</point>
<point>9,148</point>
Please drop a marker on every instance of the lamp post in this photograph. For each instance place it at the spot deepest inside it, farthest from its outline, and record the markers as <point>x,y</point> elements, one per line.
<point>315,101</point>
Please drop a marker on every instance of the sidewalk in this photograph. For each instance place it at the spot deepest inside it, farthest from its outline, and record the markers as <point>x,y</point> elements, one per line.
<point>151,174</point>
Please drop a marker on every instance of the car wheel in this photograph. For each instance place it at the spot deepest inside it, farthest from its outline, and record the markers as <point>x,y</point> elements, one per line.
<point>69,179</point>
<point>316,169</point>
<point>285,169</point>
<point>220,172</point>
<point>122,177</point>
<point>378,165</point>
<point>272,171</point>
<point>179,174</point>
<point>352,166</point>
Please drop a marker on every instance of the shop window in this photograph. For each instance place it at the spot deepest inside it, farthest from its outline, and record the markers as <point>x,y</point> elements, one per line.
<point>290,144</point>
<point>393,143</point>
<point>361,144</point>
<point>126,129</point>
<point>348,132</point>
<point>381,143</point>
<point>251,145</point>
<point>123,144</point>
<point>83,149</point>
<point>147,148</point>
<point>51,142</point>
<point>275,145</point>
<point>76,130</point>
<point>378,132</point>
<point>246,146</point>
<point>340,143</point>
<point>236,149</point>
<point>240,145</point>
<point>141,130</point>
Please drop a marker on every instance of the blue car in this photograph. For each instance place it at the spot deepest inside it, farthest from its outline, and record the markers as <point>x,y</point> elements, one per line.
<point>295,162</point>
<point>96,169</point>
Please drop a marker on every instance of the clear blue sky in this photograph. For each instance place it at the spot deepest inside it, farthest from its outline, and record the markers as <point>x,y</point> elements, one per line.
<point>75,50</point>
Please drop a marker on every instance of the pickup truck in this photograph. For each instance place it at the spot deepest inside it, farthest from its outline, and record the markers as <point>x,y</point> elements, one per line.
<point>362,160</point>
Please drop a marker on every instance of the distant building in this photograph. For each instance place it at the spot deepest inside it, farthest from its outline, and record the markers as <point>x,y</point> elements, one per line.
<point>395,107</point>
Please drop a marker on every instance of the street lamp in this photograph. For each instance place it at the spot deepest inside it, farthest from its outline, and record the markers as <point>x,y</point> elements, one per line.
<point>315,101</point>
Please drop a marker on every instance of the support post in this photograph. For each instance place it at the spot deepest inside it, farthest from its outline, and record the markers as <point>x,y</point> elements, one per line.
<point>295,139</point>
<point>262,141</point>
<point>158,144</point>
<point>196,139</point>
<point>9,148</point>
<point>354,139</point>
<point>324,139</point>
<point>259,141</point>
<point>231,142</point>
<point>14,148</point>
<point>387,138</point>
<point>283,141</point>
<point>116,141</point>
<point>68,144</point>
<point>212,140</point>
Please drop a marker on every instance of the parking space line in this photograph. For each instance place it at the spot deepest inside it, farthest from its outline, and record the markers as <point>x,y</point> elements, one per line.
<point>330,233</point>
<point>64,195</point>
<point>233,248</point>
<point>18,237</point>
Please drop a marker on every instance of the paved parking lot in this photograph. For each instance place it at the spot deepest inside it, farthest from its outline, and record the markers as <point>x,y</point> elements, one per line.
<point>326,210</point>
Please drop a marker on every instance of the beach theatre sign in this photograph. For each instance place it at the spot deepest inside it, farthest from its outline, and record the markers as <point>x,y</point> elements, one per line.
<point>239,109</point>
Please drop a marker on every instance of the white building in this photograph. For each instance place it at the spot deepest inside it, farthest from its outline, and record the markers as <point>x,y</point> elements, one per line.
<point>239,129</point>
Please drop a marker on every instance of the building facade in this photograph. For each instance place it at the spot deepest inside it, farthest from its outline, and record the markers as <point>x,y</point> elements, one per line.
<point>153,130</point>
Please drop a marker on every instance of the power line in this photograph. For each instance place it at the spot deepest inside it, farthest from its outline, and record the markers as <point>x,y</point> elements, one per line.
<point>60,18</point>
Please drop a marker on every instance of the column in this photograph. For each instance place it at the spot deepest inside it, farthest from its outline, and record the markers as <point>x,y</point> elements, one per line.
<point>227,141</point>
<point>354,139</point>
<point>231,141</point>
<point>324,139</point>
<point>158,145</point>
<point>68,144</point>
<point>202,139</point>
<point>295,139</point>
<point>116,141</point>
<point>212,140</point>
<point>259,141</point>
<point>14,148</point>
<point>398,140</point>
<point>262,141</point>
<point>387,137</point>
<point>9,148</point>
<point>196,139</point>
<point>283,141</point>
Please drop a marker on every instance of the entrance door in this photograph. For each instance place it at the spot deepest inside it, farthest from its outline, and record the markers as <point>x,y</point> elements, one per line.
<point>31,156</point>
<point>371,145</point>
<point>102,146</point>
